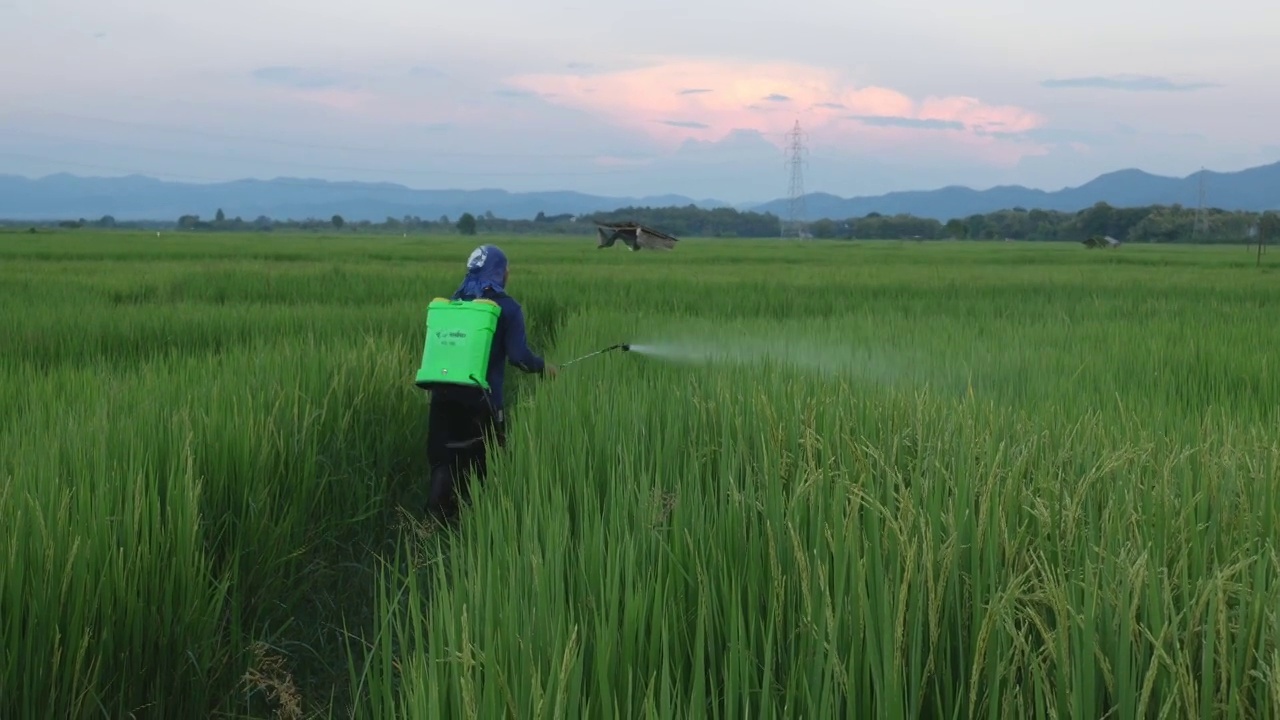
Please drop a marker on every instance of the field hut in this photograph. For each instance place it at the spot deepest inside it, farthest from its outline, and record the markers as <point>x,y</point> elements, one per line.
<point>634,236</point>
<point>1106,241</point>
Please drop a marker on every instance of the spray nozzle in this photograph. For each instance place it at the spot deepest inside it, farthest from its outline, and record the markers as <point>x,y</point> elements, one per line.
<point>621,346</point>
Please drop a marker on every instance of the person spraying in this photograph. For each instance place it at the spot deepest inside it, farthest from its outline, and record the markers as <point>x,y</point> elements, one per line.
<point>471,337</point>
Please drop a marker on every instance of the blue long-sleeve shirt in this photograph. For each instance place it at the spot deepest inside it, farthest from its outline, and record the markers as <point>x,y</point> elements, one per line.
<point>510,344</point>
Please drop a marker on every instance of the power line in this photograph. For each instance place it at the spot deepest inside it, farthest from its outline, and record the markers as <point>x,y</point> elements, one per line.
<point>796,160</point>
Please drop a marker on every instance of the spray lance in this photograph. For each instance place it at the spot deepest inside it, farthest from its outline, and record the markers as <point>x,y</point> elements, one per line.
<point>620,346</point>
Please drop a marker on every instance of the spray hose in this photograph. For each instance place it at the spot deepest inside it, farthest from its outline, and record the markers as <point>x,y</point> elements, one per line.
<point>620,346</point>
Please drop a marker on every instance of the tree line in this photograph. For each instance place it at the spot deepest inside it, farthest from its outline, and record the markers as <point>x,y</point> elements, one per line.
<point>1151,224</point>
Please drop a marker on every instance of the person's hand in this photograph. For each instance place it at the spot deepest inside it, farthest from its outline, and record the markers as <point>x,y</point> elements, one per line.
<point>550,370</point>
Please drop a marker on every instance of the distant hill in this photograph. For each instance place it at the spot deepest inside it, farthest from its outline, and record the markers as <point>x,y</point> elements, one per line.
<point>1255,189</point>
<point>137,197</point>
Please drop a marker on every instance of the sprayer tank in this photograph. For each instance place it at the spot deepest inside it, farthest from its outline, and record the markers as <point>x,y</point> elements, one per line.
<point>459,335</point>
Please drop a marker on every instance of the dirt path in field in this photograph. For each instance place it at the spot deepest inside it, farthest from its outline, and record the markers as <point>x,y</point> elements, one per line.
<point>305,670</point>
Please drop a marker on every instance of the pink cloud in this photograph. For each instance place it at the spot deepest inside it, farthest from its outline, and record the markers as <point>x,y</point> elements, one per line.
<point>672,102</point>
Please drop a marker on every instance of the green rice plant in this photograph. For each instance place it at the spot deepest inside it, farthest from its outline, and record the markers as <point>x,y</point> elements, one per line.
<point>831,479</point>
<point>788,525</point>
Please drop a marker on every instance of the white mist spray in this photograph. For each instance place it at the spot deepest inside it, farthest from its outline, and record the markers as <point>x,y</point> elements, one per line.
<point>810,355</point>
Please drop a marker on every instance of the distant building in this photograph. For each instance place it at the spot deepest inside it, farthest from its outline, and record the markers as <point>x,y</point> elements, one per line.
<point>634,236</point>
<point>1105,241</point>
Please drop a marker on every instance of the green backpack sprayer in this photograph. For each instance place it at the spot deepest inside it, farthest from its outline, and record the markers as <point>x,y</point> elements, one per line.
<point>459,338</point>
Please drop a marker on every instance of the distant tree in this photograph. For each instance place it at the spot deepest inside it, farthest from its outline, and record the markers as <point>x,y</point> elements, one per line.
<point>467,224</point>
<point>1269,226</point>
<point>1144,224</point>
<point>220,216</point>
<point>338,222</point>
<point>975,226</point>
<point>823,229</point>
<point>1268,231</point>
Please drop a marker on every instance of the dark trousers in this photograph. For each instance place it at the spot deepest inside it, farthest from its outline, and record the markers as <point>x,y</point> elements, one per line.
<point>460,426</point>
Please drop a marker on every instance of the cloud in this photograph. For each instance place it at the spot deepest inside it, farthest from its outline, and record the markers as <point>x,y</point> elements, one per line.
<point>907,122</point>
<point>694,91</point>
<point>426,71</point>
<point>349,102</point>
<point>642,100</point>
<point>1128,83</point>
<point>1107,140</point>
<point>295,77</point>
<point>616,161</point>
<point>1050,135</point>
<point>514,93</point>
<point>347,95</point>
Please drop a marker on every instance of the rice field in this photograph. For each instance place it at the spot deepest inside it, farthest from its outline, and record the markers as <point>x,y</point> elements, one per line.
<point>892,480</point>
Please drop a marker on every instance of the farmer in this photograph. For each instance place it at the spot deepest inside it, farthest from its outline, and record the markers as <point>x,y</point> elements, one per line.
<point>462,417</point>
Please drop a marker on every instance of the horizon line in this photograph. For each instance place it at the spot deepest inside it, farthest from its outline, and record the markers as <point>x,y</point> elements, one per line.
<point>285,179</point>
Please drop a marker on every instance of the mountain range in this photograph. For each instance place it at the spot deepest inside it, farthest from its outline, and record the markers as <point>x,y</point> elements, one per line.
<point>136,197</point>
<point>1256,189</point>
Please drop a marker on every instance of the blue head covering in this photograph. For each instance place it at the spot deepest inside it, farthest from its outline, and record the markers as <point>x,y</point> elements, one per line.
<point>485,269</point>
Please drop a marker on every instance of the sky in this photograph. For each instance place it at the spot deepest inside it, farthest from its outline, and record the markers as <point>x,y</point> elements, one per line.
<point>696,97</point>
